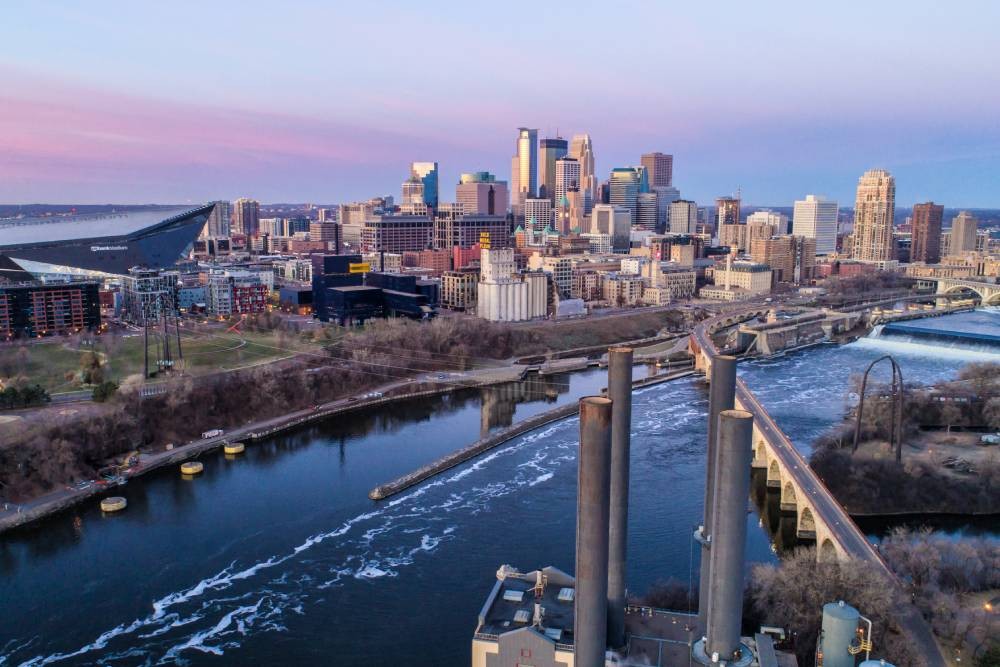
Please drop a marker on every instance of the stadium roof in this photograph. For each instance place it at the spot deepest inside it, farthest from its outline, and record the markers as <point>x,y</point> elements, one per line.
<point>24,231</point>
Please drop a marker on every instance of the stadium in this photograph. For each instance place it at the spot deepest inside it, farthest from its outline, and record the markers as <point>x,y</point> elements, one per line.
<point>97,246</point>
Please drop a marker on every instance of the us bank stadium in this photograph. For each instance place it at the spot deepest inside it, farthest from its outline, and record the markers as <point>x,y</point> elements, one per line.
<point>97,246</point>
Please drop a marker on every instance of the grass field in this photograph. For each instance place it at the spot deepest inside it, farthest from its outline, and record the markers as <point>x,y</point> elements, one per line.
<point>54,363</point>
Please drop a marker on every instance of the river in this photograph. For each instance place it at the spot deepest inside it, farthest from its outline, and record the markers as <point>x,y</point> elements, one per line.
<point>278,556</point>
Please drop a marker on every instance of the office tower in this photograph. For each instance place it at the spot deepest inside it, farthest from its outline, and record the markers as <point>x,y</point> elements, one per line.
<point>413,191</point>
<point>524,169</point>
<point>665,196</point>
<point>646,210</point>
<point>218,220</point>
<point>616,222</point>
<point>624,187</point>
<point>480,193</point>
<point>816,218</point>
<point>246,217</point>
<point>427,173</point>
<point>927,233</point>
<point>874,210</point>
<point>549,152</point>
<point>537,218</point>
<point>582,149</point>
<point>727,211</point>
<point>659,168</point>
<point>683,217</point>
<point>963,233</point>
<point>567,177</point>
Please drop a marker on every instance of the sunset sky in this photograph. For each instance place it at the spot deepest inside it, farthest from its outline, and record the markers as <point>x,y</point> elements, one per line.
<point>136,102</point>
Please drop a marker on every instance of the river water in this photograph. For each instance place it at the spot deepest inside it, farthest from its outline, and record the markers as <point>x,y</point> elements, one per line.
<point>279,557</point>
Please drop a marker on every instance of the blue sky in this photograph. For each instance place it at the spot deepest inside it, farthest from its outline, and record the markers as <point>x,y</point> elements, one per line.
<point>328,102</point>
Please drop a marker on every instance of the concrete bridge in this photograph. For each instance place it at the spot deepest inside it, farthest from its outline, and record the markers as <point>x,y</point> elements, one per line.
<point>819,515</point>
<point>989,293</point>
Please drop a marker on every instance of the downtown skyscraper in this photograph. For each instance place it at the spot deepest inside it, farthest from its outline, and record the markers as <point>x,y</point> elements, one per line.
<point>524,169</point>
<point>927,233</point>
<point>427,174</point>
<point>816,218</point>
<point>659,168</point>
<point>582,149</point>
<point>874,213</point>
<point>549,152</point>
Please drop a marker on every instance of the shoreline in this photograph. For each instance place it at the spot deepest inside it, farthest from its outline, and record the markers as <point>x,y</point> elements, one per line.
<point>16,515</point>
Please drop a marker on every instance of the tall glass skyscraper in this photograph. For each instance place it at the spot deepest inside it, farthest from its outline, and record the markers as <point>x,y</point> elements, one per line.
<point>524,169</point>
<point>427,172</point>
<point>550,150</point>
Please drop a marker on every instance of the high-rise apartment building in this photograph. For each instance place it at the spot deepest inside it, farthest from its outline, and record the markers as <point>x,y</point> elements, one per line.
<point>427,174</point>
<point>874,211</point>
<point>659,169</point>
<point>926,245</point>
<point>524,169</point>
<point>727,211</point>
<point>246,217</point>
<point>567,170</point>
<point>549,152</point>
<point>816,218</point>
<point>683,217</point>
<point>792,258</point>
<point>581,148</point>
<point>779,221</point>
<point>219,220</point>
<point>481,193</point>
<point>963,233</point>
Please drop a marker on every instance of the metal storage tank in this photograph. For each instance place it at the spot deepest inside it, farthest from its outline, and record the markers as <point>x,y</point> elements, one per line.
<point>840,630</point>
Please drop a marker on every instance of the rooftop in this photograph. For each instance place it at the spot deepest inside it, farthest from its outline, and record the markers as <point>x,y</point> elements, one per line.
<point>511,604</point>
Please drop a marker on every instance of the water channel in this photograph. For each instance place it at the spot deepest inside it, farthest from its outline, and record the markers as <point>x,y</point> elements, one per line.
<point>279,557</point>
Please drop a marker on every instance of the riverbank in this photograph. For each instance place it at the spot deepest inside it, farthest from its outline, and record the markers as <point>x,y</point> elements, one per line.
<point>14,515</point>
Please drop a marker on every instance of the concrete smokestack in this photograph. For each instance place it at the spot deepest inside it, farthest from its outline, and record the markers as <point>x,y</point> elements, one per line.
<point>590,628</point>
<point>620,393</point>
<point>722,396</point>
<point>725,604</point>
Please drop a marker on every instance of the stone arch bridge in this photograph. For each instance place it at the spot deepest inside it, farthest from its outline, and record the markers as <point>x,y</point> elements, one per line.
<point>989,293</point>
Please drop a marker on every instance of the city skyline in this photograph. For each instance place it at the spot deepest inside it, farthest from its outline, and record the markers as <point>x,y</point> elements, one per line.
<point>94,114</point>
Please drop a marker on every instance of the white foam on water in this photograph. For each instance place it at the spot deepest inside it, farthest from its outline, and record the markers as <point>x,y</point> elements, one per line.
<point>371,555</point>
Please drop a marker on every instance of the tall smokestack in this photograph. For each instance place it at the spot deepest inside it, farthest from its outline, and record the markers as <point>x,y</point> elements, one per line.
<point>725,603</point>
<point>722,396</point>
<point>590,628</point>
<point>620,393</point>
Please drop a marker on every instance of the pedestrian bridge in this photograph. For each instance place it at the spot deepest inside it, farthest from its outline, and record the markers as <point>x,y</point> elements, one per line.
<point>818,514</point>
<point>989,293</point>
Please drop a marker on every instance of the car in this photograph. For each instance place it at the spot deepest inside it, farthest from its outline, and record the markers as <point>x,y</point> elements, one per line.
<point>441,376</point>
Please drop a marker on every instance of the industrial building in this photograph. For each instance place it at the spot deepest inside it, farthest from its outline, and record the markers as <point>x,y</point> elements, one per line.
<point>79,246</point>
<point>505,295</point>
<point>35,310</point>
